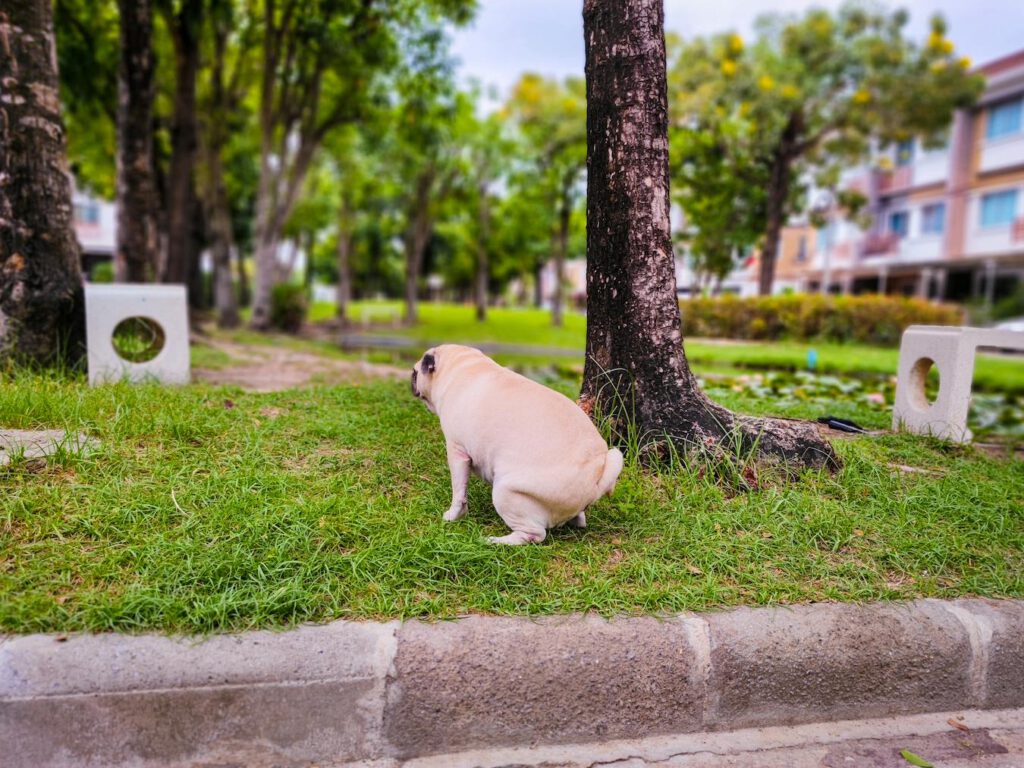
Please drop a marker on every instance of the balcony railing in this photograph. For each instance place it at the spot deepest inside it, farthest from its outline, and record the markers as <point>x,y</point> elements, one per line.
<point>880,244</point>
<point>899,178</point>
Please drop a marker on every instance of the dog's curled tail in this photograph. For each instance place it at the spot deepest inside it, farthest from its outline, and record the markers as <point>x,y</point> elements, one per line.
<point>612,468</point>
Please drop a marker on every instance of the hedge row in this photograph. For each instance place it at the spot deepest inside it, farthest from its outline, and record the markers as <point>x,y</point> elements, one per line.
<point>802,317</point>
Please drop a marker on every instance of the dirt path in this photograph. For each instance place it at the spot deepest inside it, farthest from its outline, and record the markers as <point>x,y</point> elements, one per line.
<point>260,368</point>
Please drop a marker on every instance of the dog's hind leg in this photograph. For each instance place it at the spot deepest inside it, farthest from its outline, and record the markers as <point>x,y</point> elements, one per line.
<point>580,521</point>
<point>459,465</point>
<point>523,514</point>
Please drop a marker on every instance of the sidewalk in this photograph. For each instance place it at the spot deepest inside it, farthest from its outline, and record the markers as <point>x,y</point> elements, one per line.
<point>394,692</point>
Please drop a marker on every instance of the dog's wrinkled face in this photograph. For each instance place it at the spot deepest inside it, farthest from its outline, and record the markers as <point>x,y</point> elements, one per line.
<point>423,376</point>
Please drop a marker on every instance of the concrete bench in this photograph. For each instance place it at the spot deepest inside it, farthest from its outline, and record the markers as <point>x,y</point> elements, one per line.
<point>951,349</point>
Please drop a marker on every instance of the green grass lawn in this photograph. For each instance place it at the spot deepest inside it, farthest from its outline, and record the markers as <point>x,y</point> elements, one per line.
<point>208,508</point>
<point>457,323</point>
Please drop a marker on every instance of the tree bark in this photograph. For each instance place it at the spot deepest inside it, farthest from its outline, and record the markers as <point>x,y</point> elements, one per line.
<point>41,302</point>
<point>636,374</point>
<point>136,251</point>
<point>181,197</point>
<point>343,295</point>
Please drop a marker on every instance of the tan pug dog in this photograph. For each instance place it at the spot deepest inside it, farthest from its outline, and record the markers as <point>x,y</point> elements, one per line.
<point>543,456</point>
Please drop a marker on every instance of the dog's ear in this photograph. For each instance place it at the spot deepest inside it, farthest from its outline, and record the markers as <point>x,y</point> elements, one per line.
<point>429,364</point>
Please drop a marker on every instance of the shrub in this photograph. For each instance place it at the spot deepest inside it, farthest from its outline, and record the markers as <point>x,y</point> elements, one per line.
<point>288,307</point>
<point>803,317</point>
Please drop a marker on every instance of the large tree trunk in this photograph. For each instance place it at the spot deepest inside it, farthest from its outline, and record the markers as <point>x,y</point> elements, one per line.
<point>181,197</point>
<point>41,306</point>
<point>136,252</point>
<point>482,262</point>
<point>636,373</point>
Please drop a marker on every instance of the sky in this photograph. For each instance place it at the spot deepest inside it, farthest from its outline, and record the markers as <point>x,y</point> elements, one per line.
<point>509,37</point>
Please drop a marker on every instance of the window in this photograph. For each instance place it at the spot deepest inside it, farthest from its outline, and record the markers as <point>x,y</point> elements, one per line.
<point>899,223</point>
<point>1004,119</point>
<point>999,209</point>
<point>801,249</point>
<point>826,237</point>
<point>87,213</point>
<point>933,219</point>
<point>905,152</point>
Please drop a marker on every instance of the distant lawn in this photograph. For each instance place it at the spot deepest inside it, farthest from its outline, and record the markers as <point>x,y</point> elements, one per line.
<point>457,323</point>
<point>208,509</point>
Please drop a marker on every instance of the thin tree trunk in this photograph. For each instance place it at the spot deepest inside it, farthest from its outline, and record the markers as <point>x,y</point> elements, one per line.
<point>41,306</point>
<point>136,251</point>
<point>221,242</point>
<point>343,295</point>
<point>417,237</point>
<point>778,194</point>
<point>636,373</point>
<point>561,252</point>
<point>181,198</point>
<point>218,207</point>
<point>538,285</point>
<point>244,288</point>
<point>483,244</point>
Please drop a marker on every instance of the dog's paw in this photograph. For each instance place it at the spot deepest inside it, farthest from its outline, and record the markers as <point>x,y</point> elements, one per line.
<point>454,513</point>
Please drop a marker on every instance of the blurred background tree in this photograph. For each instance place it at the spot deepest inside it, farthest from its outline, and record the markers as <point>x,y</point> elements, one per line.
<point>335,135</point>
<point>805,100</point>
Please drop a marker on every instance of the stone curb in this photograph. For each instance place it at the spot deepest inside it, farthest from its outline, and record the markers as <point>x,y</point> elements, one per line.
<point>351,691</point>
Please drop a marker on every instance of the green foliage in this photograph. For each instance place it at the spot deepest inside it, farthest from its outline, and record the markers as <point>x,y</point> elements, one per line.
<point>288,307</point>
<point>550,117</point>
<point>862,319</point>
<point>88,53</point>
<point>723,195</point>
<point>1011,306</point>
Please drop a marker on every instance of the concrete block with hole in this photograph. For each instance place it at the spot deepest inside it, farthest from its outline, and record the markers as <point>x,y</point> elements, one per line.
<point>951,350</point>
<point>137,331</point>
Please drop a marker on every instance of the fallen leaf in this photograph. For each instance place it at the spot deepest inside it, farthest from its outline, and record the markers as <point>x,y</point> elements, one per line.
<point>958,726</point>
<point>229,404</point>
<point>913,759</point>
<point>61,638</point>
<point>695,570</point>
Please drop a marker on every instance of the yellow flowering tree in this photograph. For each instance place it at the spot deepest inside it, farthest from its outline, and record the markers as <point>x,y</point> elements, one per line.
<point>806,99</point>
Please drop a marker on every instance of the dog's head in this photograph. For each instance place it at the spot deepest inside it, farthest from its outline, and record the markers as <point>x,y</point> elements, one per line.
<point>423,376</point>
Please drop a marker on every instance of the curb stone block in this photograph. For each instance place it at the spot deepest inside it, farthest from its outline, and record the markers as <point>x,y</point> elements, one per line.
<point>487,682</point>
<point>291,724</point>
<point>772,666</point>
<point>313,693</point>
<point>1004,672</point>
